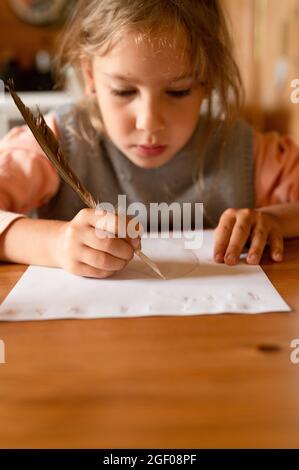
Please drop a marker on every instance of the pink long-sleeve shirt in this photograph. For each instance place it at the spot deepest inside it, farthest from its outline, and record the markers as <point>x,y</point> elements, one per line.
<point>26,171</point>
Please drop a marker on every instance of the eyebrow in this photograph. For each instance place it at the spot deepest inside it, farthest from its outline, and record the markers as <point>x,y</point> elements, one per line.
<point>133,79</point>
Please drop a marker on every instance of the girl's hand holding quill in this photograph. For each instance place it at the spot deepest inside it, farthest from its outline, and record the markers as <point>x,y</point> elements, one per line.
<point>80,249</point>
<point>85,249</point>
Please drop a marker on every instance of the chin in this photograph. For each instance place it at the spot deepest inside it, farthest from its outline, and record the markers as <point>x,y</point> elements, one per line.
<point>149,162</point>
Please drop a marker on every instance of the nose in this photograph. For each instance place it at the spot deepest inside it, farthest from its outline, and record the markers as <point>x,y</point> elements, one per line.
<point>149,115</point>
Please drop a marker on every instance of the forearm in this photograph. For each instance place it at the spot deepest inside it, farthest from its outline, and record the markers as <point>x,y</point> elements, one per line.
<point>31,241</point>
<point>288,215</point>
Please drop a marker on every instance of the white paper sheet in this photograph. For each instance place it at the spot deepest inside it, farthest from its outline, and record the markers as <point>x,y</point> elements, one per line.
<point>195,285</point>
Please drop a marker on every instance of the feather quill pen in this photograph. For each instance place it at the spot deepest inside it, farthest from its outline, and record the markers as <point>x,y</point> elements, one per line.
<point>50,146</point>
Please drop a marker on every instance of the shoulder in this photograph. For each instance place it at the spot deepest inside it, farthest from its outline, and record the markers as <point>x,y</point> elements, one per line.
<point>219,139</point>
<point>273,144</point>
<point>220,130</point>
<point>276,163</point>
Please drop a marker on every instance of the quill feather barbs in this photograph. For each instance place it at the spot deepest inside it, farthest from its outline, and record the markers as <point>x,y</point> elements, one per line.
<point>49,144</point>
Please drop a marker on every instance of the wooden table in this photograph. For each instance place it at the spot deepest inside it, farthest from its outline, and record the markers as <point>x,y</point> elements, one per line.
<point>205,381</point>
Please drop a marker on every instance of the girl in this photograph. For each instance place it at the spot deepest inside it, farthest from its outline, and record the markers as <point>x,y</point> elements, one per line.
<point>148,66</point>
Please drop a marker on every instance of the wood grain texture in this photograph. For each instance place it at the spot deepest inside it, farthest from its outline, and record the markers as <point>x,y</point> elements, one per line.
<point>264,32</point>
<point>205,381</point>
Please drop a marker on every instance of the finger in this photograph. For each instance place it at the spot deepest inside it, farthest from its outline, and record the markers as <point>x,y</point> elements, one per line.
<point>118,225</point>
<point>115,224</point>
<point>222,235</point>
<point>276,245</point>
<point>117,247</point>
<point>85,270</point>
<point>100,234</point>
<point>258,242</point>
<point>110,225</point>
<point>101,260</point>
<point>239,236</point>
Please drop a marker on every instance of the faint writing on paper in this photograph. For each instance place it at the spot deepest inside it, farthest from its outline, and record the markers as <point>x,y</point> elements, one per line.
<point>295,93</point>
<point>2,92</point>
<point>2,352</point>
<point>175,221</point>
<point>295,353</point>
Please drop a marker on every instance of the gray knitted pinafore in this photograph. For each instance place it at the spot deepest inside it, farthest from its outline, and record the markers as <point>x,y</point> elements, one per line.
<point>107,172</point>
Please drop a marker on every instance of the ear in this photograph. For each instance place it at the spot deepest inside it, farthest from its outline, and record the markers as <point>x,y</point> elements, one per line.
<point>86,68</point>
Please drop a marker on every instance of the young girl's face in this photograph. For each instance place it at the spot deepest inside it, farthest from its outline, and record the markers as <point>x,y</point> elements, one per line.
<point>147,97</point>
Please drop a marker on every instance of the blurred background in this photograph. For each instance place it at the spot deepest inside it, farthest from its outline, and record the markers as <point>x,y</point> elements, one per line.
<point>266,37</point>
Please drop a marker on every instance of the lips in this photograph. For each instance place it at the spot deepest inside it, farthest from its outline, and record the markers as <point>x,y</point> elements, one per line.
<point>150,146</point>
<point>150,150</point>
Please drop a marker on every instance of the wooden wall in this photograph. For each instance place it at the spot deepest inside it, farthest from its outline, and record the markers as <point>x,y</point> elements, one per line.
<point>266,34</point>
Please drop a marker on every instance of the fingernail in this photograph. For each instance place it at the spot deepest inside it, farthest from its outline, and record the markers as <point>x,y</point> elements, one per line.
<point>253,258</point>
<point>219,257</point>
<point>277,255</point>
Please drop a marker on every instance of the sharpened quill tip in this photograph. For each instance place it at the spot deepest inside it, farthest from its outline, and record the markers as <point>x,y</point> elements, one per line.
<point>150,263</point>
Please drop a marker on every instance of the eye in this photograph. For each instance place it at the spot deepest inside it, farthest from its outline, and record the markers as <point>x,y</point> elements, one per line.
<point>173,93</point>
<point>122,93</point>
<point>180,93</point>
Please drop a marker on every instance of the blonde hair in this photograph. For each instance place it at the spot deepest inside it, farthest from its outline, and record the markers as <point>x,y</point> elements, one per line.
<point>96,26</point>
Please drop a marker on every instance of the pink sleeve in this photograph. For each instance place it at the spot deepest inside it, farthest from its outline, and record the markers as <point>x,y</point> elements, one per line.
<point>276,169</point>
<point>27,178</point>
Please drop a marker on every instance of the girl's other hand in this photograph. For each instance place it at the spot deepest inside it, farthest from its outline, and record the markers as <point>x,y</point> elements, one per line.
<point>84,247</point>
<point>237,226</point>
